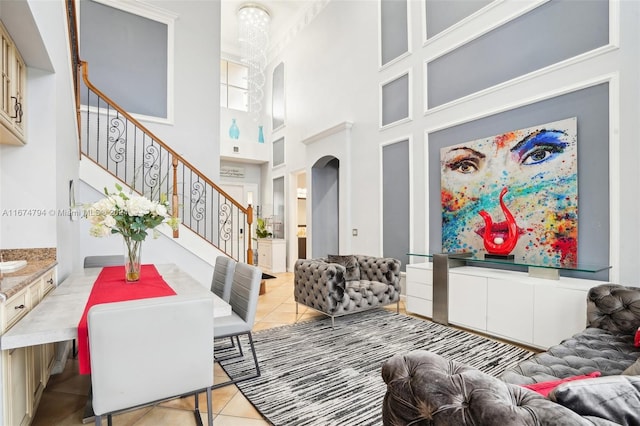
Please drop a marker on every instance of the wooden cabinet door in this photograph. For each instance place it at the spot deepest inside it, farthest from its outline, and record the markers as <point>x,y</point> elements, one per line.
<point>6,104</point>
<point>17,404</point>
<point>18,94</point>
<point>12,91</point>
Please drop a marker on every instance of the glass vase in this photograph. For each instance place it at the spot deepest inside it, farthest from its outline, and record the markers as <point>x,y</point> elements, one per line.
<point>260,134</point>
<point>132,256</point>
<point>234,131</point>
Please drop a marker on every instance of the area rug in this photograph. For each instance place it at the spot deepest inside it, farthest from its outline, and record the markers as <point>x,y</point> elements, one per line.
<point>313,375</point>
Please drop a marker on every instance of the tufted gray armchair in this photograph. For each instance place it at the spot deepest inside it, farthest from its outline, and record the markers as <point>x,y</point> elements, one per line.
<point>335,289</point>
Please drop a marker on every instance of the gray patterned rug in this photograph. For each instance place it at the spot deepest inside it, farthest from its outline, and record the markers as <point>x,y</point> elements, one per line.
<point>312,375</point>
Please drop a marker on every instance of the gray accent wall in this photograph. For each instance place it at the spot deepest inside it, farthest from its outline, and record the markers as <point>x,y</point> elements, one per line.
<point>127,57</point>
<point>395,201</point>
<point>395,100</point>
<point>440,14</point>
<point>394,38</point>
<point>278,152</point>
<point>591,107</point>
<point>550,33</point>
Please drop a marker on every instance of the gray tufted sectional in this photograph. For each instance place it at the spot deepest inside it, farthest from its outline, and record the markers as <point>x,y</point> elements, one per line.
<point>425,389</point>
<point>334,289</point>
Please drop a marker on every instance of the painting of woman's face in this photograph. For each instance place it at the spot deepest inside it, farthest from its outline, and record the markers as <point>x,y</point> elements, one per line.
<point>539,166</point>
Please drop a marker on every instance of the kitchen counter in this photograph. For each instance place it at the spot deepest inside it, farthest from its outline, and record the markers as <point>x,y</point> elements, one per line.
<point>39,261</point>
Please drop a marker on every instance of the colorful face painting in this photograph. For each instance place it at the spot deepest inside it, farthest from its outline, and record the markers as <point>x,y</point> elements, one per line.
<point>539,167</point>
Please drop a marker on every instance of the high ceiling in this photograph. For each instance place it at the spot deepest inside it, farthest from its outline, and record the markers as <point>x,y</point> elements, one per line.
<point>284,15</point>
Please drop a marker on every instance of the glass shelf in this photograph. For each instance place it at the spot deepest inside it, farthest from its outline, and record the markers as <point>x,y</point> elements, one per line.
<point>518,261</point>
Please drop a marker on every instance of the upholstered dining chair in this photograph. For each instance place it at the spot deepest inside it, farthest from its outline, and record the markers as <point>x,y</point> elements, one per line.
<point>223,277</point>
<point>221,284</point>
<point>103,260</point>
<point>244,303</point>
<point>149,350</point>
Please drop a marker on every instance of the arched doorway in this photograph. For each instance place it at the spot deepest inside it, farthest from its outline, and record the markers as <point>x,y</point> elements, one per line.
<point>325,206</point>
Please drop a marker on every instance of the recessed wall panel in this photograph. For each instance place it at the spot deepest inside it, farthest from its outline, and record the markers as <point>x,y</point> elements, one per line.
<point>441,14</point>
<point>553,32</point>
<point>395,201</point>
<point>394,39</point>
<point>127,56</point>
<point>395,100</point>
<point>278,152</point>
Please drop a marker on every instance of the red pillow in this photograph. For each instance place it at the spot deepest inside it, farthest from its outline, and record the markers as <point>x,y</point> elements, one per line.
<point>543,388</point>
<point>636,339</point>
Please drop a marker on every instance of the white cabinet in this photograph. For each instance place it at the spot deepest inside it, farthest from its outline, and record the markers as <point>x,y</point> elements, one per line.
<point>511,305</point>
<point>571,302</point>
<point>510,309</point>
<point>12,91</point>
<point>470,294</point>
<point>25,371</point>
<point>272,255</point>
<point>419,289</point>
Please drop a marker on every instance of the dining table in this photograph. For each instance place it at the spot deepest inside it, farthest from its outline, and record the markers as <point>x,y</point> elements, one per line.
<point>59,316</point>
<point>56,317</point>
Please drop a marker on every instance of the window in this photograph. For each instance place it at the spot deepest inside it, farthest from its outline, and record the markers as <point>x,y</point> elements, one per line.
<point>277,98</point>
<point>233,86</point>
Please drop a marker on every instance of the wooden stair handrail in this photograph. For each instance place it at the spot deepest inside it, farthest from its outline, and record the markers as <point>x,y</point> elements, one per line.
<point>85,77</point>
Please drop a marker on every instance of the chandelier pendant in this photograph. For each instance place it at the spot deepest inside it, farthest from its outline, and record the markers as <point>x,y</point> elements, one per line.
<point>253,36</point>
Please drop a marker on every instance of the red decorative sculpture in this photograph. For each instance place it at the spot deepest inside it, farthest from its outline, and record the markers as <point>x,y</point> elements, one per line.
<point>498,245</point>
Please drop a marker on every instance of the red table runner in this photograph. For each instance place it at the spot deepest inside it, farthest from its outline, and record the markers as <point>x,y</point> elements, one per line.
<point>110,286</point>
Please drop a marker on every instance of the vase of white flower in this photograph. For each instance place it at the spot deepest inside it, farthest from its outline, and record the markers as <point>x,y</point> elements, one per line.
<point>132,259</point>
<point>131,216</point>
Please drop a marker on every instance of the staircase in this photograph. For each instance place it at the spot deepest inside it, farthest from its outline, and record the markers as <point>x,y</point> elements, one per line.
<point>114,145</point>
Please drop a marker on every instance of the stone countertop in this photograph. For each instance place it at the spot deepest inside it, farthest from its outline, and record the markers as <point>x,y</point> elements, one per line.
<point>39,261</point>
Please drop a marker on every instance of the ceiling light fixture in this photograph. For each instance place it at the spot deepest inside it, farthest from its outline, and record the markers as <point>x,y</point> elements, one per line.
<point>253,35</point>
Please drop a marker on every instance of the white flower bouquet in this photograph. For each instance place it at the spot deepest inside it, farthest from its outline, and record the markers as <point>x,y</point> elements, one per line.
<point>131,216</point>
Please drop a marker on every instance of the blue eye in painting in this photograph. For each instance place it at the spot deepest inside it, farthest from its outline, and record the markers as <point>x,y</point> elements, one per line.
<point>540,146</point>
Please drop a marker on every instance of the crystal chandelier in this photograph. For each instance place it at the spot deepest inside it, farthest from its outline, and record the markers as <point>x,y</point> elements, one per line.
<point>254,37</point>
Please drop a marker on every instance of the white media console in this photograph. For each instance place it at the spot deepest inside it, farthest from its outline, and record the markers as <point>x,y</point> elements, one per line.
<point>509,305</point>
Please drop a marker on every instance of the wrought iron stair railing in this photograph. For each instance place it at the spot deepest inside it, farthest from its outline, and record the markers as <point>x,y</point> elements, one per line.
<point>119,144</point>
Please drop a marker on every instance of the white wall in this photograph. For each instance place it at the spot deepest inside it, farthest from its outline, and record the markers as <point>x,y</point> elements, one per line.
<point>196,128</point>
<point>248,145</point>
<point>36,176</point>
<point>332,75</point>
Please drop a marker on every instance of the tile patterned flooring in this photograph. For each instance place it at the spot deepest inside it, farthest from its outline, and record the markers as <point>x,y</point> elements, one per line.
<point>64,398</point>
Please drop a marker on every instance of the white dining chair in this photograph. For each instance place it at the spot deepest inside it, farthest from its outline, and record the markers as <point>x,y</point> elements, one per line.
<point>149,350</point>
<point>244,303</point>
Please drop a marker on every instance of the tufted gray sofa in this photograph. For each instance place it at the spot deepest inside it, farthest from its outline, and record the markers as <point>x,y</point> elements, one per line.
<point>332,288</point>
<point>426,389</point>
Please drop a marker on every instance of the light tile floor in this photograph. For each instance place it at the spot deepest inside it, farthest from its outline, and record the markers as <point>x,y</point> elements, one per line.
<point>64,398</point>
